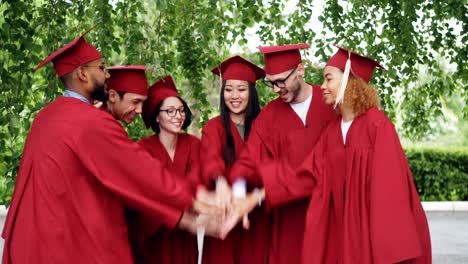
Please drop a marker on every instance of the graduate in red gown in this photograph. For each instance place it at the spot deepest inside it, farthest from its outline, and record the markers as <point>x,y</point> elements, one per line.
<point>127,88</point>
<point>168,115</point>
<point>78,172</point>
<point>364,206</point>
<point>287,128</point>
<point>223,139</point>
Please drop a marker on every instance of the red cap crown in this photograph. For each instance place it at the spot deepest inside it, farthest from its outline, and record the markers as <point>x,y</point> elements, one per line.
<point>72,55</point>
<point>279,59</point>
<point>238,68</point>
<point>131,79</point>
<point>159,91</point>
<point>361,66</point>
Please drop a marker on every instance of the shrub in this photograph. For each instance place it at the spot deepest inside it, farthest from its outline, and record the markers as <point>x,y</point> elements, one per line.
<point>439,174</point>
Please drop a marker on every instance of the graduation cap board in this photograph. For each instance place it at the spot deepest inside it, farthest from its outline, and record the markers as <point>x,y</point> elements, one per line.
<point>72,55</point>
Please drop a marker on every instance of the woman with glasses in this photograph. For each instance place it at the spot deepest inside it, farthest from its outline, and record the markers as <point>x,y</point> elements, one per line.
<point>168,115</point>
<point>223,139</point>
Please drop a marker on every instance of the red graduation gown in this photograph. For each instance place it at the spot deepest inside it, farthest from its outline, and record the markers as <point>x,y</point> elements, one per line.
<point>166,245</point>
<point>278,133</point>
<point>72,188</point>
<point>240,246</point>
<point>364,206</point>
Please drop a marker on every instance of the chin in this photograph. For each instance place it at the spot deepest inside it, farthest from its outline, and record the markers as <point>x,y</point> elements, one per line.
<point>236,111</point>
<point>176,130</point>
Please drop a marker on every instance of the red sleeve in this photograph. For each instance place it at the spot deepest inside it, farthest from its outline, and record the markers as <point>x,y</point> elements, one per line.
<point>283,184</point>
<point>211,153</point>
<point>194,173</point>
<point>130,172</point>
<point>394,235</point>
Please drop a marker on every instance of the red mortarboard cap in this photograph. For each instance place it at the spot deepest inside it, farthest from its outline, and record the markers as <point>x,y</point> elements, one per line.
<point>131,79</point>
<point>279,59</point>
<point>159,91</point>
<point>361,66</point>
<point>238,68</point>
<point>72,55</point>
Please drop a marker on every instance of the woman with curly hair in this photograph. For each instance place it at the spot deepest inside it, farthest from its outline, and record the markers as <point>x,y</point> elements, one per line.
<point>364,206</point>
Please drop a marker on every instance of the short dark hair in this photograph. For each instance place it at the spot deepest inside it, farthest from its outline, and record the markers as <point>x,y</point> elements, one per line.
<point>121,94</point>
<point>188,116</point>
<point>66,79</point>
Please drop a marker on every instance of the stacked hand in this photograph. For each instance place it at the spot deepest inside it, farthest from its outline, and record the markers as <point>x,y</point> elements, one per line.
<point>218,212</point>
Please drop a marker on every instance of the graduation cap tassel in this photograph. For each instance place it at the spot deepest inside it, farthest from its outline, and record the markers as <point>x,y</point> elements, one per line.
<point>200,238</point>
<point>220,78</point>
<point>344,82</point>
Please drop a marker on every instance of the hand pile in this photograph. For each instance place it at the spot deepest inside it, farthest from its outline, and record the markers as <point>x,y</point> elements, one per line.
<point>218,212</point>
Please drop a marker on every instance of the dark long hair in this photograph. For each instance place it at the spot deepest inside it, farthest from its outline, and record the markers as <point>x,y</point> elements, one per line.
<point>187,121</point>
<point>251,112</point>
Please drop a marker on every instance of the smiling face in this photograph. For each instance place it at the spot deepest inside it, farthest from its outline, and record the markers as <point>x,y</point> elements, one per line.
<point>287,84</point>
<point>167,123</point>
<point>236,96</point>
<point>125,107</point>
<point>331,83</point>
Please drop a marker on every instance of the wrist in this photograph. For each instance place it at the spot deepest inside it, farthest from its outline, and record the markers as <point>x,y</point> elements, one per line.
<point>239,189</point>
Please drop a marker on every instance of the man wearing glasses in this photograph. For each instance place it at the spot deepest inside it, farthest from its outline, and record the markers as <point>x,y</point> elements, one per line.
<point>78,172</point>
<point>287,128</point>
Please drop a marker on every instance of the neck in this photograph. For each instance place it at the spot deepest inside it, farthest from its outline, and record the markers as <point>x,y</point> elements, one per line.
<point>169,140</point>
<point>305,92</point>
<point>237,119</point>
<point>346,112</point>
<point>72,87</point>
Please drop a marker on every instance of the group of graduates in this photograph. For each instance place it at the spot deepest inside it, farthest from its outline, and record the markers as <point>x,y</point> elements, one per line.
<point>316,176</point>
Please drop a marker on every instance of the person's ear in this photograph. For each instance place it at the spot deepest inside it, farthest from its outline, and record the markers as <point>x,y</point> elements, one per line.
<point>113,96</point>
<point>300,70</point>
<point>82,74</point>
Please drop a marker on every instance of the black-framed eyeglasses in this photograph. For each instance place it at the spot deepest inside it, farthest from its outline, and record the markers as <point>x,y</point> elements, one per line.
<point>278,83</point>
<point>172,112</point>
<point>102,67</point>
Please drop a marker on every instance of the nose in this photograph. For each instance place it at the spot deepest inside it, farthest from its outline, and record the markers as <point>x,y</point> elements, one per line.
<point>139,108</point>
<point>276,89</point>
<point>323,86</point>
<point>107,74</point>
<point>235,94</point>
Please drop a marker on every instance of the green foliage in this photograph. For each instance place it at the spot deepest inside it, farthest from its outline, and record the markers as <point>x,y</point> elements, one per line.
<point>404,35</point>
<point>187,38</point>
<point>440,174</point>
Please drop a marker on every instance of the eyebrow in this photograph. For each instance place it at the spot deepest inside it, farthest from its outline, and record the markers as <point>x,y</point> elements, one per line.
<point>174,107</point>
<point>328,74</point>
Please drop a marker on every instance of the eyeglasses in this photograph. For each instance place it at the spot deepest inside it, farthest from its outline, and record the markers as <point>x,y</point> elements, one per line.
<point>278,83</point>
<point>102,67</point>
<point>172,112</point>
